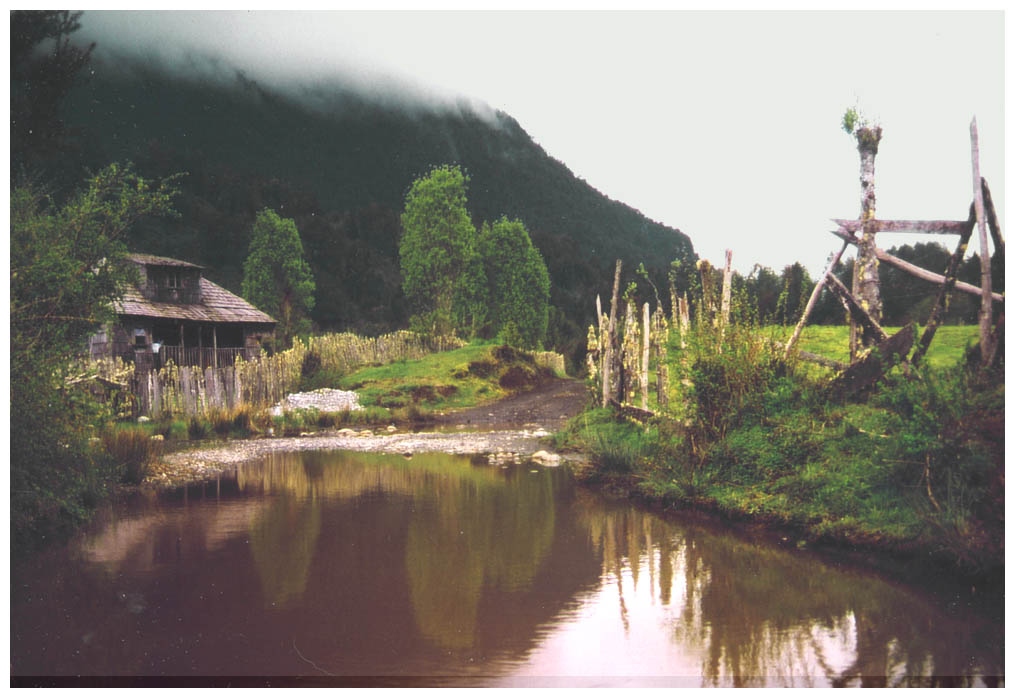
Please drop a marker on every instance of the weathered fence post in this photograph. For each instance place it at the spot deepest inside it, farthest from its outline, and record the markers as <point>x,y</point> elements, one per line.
<point>608,354</point>
<point>866,281</point>
<point>646,340</point>
<point>685,320</point>
<point>631,354</point>
<point>727,289</point>
<point>662,369</point>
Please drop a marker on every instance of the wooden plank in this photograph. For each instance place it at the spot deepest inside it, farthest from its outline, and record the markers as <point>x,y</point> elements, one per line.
<point>862,375</point>
<point>811,357</point>
<point>902,226</point>
<point>916,271</point>
<point>632,411</point>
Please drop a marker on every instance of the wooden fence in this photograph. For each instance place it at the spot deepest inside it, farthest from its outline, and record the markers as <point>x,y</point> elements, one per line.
<point>265,380</point>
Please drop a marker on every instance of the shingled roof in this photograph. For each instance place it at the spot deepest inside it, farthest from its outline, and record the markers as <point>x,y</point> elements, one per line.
<point>217,304</point>
<point>154,261</point>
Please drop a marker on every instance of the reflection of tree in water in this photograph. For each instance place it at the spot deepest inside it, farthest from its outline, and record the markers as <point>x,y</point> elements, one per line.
<point>471,537</point>
<point>760,615</point>
<point>473,527</point>
<point>283,537</point>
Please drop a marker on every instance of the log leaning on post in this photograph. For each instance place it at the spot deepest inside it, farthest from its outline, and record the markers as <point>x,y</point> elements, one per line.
<point>867,370</point>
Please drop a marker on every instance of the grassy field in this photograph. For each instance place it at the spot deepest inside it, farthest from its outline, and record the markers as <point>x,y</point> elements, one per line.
<point>832,341</point>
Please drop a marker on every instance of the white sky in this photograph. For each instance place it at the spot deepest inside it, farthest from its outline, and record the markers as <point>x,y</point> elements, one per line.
<point>724,125</point>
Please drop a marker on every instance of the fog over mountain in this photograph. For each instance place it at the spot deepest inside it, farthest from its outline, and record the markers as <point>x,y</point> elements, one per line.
<point>337,152</point>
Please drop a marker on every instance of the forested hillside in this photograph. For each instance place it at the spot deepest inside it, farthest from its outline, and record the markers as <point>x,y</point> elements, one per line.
<point>340,165</point>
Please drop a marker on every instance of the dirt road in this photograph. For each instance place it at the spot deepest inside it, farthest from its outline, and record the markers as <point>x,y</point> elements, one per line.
<point>549,406</point>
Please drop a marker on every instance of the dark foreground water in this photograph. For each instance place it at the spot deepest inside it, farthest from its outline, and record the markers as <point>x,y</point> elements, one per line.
<point>360,569</point>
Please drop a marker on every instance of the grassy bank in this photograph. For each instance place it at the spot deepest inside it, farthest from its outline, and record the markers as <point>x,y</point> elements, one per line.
<point>916,468</point>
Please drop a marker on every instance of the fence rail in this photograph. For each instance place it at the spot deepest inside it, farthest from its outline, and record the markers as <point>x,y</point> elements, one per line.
<point>192,356</point>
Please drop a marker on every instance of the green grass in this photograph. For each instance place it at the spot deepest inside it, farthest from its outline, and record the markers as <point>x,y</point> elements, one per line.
<point>832,341</point>
<point>473,375</point>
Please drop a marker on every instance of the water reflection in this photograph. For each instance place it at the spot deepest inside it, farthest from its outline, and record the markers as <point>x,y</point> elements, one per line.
<point>340,564</point>
<point>748,614</point>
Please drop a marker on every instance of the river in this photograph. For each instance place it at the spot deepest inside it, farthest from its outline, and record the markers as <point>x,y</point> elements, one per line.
<point>345,568</point>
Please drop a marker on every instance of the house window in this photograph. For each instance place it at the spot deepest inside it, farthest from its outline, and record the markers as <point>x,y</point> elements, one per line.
<point>173,280</point>
<point>140,339</point>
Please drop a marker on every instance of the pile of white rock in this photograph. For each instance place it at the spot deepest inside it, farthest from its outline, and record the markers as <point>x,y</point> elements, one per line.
<point>323,400</point>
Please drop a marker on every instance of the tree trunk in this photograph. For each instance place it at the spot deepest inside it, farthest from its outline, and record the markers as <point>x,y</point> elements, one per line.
<point>866,282</point>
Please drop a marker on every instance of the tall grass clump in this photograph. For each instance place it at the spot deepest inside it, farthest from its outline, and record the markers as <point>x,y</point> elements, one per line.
<point>198,428</point>
<point>133,450</point>
<point>724,372</point>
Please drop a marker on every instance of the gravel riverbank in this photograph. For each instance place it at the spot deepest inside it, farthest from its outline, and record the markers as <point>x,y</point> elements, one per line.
<point>193,466</point>
<point>512,429</point>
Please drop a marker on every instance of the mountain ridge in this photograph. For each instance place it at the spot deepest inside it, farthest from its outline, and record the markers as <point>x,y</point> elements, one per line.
<point>340,163</point>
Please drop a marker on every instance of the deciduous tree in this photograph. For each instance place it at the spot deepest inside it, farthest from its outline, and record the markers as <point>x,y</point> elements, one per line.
<point>276,276</point>
<point>518,283</point>
<point>442,274</point>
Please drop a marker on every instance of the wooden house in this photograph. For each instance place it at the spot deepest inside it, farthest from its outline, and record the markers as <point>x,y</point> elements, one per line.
<point>174,313</point>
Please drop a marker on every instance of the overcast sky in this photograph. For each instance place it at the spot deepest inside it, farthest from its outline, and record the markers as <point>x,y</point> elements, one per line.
<point>724,125</point>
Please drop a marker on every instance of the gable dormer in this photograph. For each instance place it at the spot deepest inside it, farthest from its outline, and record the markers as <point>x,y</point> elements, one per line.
<point>166,280</point>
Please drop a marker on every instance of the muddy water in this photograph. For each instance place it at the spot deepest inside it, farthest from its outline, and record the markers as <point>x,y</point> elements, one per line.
<point>342,568</point>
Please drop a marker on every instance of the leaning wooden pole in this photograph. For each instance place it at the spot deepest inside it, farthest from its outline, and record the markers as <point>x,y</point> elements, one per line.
<point>611,330</point>
<point>944,293</point>
<point>986,303</point>
<point>919,272</point>
<point>992,224</point>
<point>812,301</point>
